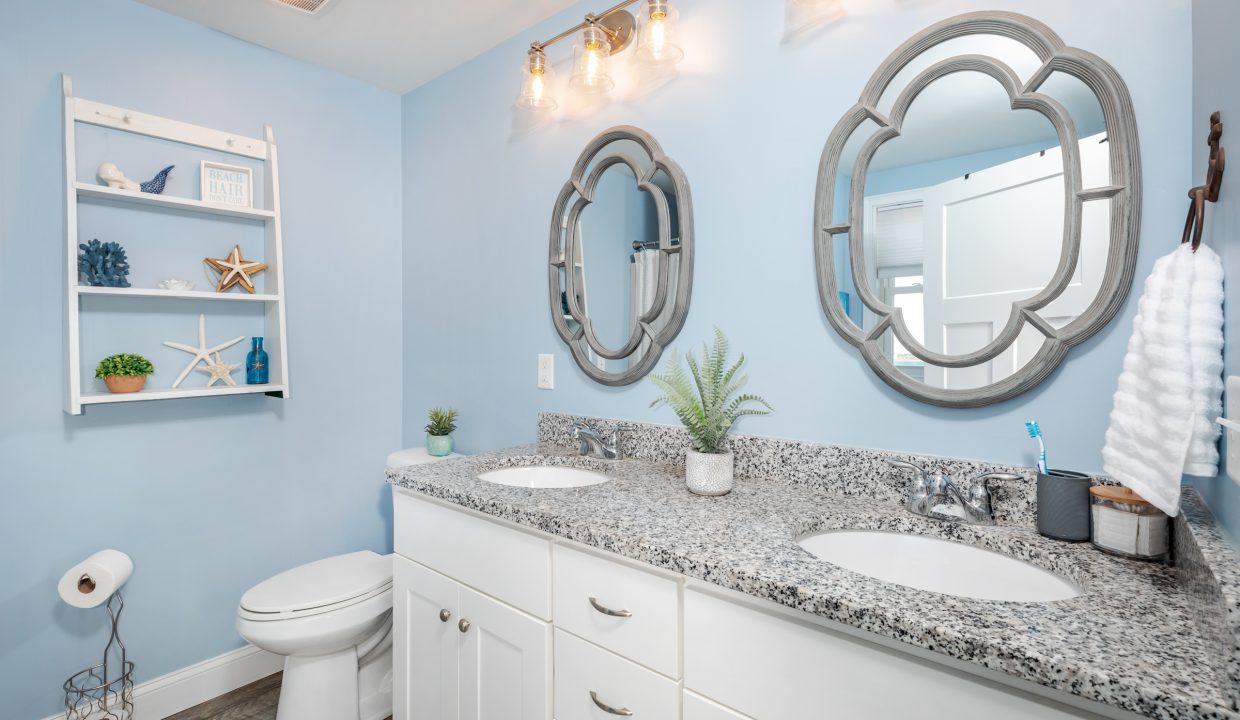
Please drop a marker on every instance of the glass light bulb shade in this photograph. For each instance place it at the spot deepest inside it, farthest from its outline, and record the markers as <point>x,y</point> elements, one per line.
<point>537,84</point>
<point>656,33</point>
<point>591,57</point>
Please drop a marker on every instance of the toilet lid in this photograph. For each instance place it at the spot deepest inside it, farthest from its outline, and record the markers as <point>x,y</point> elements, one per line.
<point>329,581</point>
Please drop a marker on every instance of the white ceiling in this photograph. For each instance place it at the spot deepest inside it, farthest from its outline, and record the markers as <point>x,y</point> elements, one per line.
<point>393,44</point>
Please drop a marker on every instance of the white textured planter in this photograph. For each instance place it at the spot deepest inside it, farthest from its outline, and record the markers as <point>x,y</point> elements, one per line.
<point>709,473</point>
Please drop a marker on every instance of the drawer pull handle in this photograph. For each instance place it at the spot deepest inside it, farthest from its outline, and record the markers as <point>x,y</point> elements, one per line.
<point>463,625</point>
<point>444,615</point>
<point>624,712</point>
<point>608,611</point>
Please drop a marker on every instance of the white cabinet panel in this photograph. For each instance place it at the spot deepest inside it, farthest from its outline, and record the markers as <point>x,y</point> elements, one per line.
<point>774,668</point>
<point>649,635</point>
<point>582,668</point>
<point>505,661</point>
<point>697,707</point>
<point>425,649</point>
<point>507,564</point>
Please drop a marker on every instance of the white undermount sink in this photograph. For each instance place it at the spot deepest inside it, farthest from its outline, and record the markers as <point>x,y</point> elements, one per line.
<point>940,566</point>
<point>544,476</point>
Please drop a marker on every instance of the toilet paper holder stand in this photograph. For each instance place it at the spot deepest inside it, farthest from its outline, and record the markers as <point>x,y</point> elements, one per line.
<point>103,691</point>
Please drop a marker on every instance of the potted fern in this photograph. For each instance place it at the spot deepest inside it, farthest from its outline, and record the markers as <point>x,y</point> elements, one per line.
<point>439,431</point>
<point>708,403</point>
<point>124,373</point>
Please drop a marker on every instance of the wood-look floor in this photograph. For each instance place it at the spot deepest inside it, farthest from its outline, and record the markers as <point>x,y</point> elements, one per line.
<point>256,701</point>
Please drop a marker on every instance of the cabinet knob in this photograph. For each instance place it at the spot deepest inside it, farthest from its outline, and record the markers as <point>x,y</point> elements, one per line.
<point>463,625</point>
<point>623,712</point>
<point>444,615</point>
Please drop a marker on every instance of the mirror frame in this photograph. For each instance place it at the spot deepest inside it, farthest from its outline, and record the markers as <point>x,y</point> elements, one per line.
<point>564,230</point>
<point>1124,192</point>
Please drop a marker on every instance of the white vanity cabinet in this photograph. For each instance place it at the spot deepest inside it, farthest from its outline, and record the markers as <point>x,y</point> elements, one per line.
<point>496,622</point>
<point>462,655</point>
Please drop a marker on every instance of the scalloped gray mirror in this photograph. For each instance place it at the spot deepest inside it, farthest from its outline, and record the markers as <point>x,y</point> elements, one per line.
<point>621,256</point>
<point>977,212</point>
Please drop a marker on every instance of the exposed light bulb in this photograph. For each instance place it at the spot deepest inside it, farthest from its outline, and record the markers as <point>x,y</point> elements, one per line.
<point>657,34</point>
<point>590,66</point>
<point>536,83</point>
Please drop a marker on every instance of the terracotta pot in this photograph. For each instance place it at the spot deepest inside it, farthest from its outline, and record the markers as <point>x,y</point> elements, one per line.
<point>125,383</point>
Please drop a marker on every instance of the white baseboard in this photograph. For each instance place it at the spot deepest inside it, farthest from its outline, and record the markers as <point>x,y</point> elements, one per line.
<point>183,689</point>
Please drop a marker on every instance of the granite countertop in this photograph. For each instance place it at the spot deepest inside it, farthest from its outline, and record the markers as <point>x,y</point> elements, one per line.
<point>1132,640</point>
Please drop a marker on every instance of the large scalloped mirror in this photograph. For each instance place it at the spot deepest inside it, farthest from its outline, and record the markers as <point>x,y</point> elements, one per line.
<point>621,256</point>
<point>977,210</point>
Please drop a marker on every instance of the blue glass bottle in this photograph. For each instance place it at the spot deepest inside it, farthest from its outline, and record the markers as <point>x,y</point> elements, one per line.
<point>256,363</point>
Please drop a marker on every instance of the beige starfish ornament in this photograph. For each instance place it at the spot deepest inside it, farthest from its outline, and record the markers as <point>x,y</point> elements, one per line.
<point>234,270</point>
<point>219,370</point>
<point>202,353</point>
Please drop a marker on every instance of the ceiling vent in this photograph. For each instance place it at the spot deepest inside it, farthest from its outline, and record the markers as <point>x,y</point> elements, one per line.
<point>307,6</point>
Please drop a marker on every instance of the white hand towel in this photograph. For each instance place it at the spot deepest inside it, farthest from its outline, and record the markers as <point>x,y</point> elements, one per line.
<point>1170,390</point>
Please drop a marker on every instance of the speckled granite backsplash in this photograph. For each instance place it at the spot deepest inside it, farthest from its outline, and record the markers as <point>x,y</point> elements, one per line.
<point>854,472</point>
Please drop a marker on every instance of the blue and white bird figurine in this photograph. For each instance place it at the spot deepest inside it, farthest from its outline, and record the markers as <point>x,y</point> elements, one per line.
<point>156,184</point>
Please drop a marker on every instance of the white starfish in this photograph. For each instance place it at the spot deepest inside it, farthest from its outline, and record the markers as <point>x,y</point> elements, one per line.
<point>202,353</point>
<point>219,370</point>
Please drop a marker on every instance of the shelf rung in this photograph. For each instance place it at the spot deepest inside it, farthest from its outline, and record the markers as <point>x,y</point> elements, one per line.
<point>102,398</point>
<point>171,202</point>
<point>174,294</point>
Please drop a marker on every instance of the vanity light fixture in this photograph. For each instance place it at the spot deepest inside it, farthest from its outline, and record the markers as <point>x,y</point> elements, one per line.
<point>598,37</point>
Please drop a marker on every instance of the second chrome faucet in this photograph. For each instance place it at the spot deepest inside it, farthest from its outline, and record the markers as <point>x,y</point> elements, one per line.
<point>927,491</point>
<point>591,443</point>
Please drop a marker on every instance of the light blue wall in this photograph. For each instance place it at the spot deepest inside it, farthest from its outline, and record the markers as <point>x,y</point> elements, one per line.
<point>1215,58</point>
<point>747,121</point>
<point>208,495</point>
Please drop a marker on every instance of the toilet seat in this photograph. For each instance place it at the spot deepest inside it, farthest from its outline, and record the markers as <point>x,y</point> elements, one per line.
<point>319,587</point>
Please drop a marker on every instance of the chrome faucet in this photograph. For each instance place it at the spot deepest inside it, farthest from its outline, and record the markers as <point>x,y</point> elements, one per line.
<point>928,491</point>
<point>592,443</point>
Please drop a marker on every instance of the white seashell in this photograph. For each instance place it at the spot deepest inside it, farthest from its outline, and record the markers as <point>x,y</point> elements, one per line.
<point>114,178</point>
<point>175,284</point>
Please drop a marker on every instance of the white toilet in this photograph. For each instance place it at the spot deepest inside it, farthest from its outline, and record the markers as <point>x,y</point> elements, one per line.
<point>332,621</point>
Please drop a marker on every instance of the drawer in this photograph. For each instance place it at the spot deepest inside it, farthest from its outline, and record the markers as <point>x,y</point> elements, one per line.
<point>775,668</point>
<point>697,707</point>
<point>646,629</point>
<point>507,564</point>
<point>587,678</point>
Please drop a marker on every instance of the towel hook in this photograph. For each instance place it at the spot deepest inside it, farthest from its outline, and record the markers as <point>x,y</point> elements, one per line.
<point>1194,225</point>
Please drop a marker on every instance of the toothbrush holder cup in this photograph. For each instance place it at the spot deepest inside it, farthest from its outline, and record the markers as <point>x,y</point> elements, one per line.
<point>1063,505</point>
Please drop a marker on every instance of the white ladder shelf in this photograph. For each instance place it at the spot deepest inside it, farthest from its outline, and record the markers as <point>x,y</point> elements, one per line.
<point>79,110</point>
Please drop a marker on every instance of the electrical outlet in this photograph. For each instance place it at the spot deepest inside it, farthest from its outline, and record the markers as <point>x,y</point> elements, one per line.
<point>546,372</point>
<point>1233,438</point>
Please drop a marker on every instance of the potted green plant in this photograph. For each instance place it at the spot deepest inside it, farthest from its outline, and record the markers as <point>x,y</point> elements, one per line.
<point>708,403</point>
<point>439,431</point>
<point>124,373</point>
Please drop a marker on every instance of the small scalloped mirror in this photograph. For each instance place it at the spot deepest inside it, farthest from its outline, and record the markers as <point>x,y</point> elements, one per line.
<point>621,256</point>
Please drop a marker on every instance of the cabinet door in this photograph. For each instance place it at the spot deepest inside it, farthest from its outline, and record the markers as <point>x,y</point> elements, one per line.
<point>425,646</point>
<point>505,661</point>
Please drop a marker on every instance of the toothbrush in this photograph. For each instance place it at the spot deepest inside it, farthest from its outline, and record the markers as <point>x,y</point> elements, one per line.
<point>1035,432</point>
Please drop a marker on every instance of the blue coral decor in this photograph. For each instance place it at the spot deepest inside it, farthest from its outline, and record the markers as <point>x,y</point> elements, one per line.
<point>103,264</point>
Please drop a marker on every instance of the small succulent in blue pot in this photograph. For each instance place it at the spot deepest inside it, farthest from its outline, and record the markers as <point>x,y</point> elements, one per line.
<point>439,431</point>
<point>103,264</point>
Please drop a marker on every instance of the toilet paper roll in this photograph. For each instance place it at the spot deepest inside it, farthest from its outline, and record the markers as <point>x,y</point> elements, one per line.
<point>91,582</point>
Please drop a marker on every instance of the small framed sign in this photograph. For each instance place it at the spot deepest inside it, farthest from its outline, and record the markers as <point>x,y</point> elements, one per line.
<point>227,184</point>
